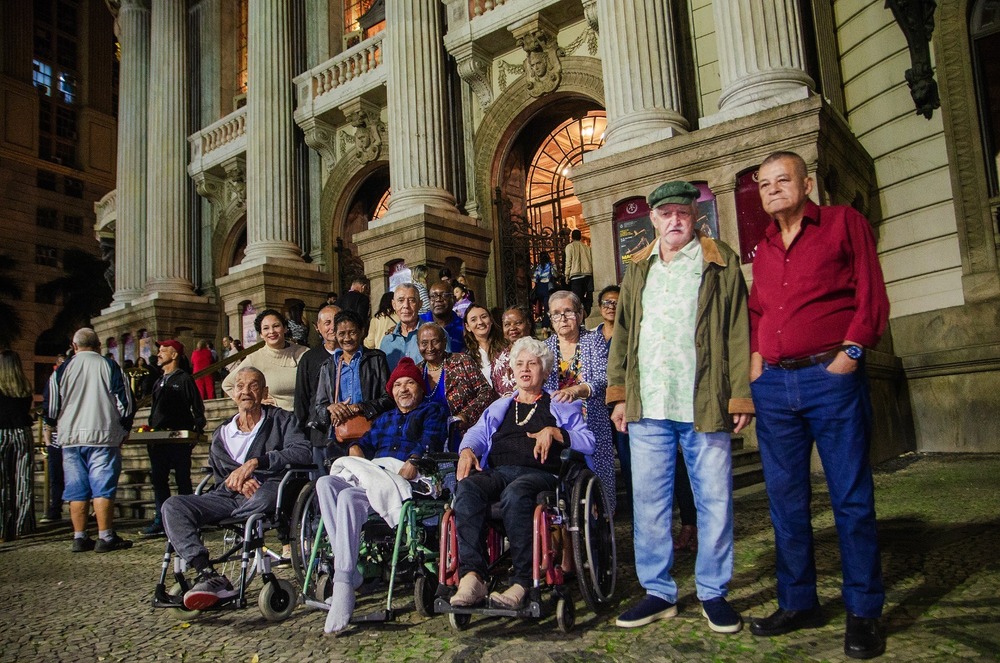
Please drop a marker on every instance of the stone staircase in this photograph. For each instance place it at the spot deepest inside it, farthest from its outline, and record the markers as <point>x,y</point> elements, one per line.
<point>748,473</point>
<point>135,493</point>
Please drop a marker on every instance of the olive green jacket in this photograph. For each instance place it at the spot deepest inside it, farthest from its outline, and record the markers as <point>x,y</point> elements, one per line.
<point>722,340</point>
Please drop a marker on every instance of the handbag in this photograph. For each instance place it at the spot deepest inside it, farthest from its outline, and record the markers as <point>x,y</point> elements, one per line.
<point>354,428</point>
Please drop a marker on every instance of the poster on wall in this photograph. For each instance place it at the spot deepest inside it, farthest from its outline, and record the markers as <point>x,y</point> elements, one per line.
<point>399,273</point>
<point>247,318</point>
<point>145,346</point>
<point>751,219</point>
<point>129,350</point>
<point>634,230</point>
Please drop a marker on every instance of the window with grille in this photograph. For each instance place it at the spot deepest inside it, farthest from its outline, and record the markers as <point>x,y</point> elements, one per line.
<point>55,74</point>
<point>73,187</point>
<point>73,224</point>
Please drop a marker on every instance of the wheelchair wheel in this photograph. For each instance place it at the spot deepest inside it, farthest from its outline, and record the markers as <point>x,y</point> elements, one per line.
<point>277,600</point>
<point>593,537</point>
<point>181,613</point>
<point>305,520</point>
<point>565,614</point>
<point>459,622</point>
<point>424,590</point>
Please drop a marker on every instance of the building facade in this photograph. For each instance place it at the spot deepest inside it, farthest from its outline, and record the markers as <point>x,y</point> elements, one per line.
<point>58,101</point>
<point>268,150</point>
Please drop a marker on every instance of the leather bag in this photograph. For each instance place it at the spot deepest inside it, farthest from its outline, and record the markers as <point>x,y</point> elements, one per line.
<point>354,428</point>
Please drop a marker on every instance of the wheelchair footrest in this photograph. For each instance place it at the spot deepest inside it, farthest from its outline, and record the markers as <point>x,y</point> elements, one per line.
<point>529,609</point>
<point>163,600</point>
<point>377,616</point>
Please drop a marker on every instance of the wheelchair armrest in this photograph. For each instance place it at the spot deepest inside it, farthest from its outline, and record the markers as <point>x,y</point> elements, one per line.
<point>573,456</point>
<point>300,466</point>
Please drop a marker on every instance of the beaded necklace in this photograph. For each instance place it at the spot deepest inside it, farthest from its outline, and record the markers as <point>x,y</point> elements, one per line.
<point>517,411</point>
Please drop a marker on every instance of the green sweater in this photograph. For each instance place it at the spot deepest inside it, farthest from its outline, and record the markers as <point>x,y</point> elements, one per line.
<point>722,341</point>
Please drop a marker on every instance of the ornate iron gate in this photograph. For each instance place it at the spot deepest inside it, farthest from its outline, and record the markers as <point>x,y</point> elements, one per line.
<point>521,243</point>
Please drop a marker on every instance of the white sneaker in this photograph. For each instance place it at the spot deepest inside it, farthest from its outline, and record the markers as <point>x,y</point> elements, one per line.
<point>209,590</point>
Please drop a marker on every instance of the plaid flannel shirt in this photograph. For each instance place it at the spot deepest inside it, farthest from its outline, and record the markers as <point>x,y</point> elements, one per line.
<point>398,435</point>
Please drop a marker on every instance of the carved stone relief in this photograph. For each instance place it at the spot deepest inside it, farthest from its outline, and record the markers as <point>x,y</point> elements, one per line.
<point>369,135</point>
<point>542,66</point>
<point>916,20</point>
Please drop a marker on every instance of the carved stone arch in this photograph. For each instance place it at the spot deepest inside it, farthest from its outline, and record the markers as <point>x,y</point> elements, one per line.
<point>581,77</point>
<point>346,177</point>
<point>224,238</point>
<point>963,137</point>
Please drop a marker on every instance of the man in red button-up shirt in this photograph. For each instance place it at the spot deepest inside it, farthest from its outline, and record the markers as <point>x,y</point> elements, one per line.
<point>818,299</point>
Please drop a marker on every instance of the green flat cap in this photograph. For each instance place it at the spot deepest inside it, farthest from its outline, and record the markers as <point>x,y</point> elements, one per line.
<point>681,193</point>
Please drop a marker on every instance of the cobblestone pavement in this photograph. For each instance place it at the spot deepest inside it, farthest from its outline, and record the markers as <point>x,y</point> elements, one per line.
<point>938,519</point>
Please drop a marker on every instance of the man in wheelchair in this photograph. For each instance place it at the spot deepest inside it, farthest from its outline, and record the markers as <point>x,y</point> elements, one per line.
<point>511,455</point>
<point>248,456</point>
<point>398,438</point>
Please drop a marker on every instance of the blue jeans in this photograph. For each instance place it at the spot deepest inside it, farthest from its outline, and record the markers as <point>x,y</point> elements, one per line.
<point>653,444</point>
<point>91,472</point>
<point>517,489</point>
<point>795,407</point>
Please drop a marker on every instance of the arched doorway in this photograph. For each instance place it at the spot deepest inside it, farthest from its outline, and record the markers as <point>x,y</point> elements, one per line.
<point>536,206</point>
<point>370,202</point>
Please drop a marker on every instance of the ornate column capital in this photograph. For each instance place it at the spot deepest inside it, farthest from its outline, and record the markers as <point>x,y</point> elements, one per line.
<point>542,67</point>
<point>474,66</point>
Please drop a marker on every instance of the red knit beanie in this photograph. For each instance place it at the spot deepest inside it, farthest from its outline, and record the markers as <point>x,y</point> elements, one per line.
<point>405,369</point>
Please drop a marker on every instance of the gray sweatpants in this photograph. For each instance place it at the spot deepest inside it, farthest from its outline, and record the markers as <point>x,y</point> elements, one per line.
<point>345,509</point>
<point>184,515</point>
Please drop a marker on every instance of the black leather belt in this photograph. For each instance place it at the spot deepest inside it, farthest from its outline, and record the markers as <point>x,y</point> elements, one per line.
<point>811,360</point>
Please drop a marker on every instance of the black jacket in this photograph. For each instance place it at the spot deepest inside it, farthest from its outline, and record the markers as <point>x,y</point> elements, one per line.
<point>177,405</point>
<point>374,373</point>
<point>306,379</point>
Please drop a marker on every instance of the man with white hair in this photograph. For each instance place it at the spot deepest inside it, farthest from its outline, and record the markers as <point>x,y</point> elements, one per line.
<point>402,340</point>
<point>248,456</point>
<point>90,400</point>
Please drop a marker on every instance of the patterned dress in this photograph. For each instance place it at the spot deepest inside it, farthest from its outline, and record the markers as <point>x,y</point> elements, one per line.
<point>590,365</point>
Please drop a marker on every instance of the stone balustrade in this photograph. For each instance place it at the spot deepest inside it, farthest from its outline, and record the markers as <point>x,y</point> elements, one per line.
<point>218,142</point>
<point>340,79</point>
<point>480,7</point>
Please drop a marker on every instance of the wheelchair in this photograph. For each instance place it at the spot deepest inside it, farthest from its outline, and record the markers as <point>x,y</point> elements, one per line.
<point>408,553</point>
<point>244,550</point>
<point>573,535</point>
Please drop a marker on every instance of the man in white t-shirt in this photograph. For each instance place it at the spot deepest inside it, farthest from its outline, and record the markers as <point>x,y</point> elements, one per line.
<point>248,456</point>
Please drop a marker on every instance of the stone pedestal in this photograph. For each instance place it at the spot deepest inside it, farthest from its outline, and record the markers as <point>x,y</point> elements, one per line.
<point>271,222</point>
<point>761,57</point>
<point>640,84</point>
<point>188,318</point>
<point>130,228</point>
<point>268,284</point>
<point>168,229</point>
<point>426,238</point>
<point>416,110</point>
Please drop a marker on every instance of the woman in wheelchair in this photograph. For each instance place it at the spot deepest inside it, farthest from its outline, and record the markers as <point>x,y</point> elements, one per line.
<point>396,440</point>
<point>511,455</point>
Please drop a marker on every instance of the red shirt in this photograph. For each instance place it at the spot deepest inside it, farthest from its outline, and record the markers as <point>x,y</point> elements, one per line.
<point>827,287</point>
<point>200,359</point>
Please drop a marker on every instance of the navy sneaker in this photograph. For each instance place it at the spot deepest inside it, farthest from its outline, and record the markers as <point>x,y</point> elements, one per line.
<point>112,544</point>
<point>721,616</point>
<point>649,609</point>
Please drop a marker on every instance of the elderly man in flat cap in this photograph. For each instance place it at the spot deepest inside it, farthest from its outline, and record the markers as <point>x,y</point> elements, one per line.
<point>678,375</point>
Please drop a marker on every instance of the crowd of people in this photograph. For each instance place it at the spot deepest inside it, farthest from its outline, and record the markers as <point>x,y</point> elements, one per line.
<point>682,358</point>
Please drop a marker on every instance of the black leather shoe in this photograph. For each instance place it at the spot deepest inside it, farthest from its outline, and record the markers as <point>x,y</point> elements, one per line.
<point>785,621</point>
<point>863,638</point>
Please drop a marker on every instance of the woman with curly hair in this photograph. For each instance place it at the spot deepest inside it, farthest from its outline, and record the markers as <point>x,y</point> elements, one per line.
<point>278,360</point>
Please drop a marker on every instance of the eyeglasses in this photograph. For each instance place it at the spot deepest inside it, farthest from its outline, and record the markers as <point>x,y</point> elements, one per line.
<point>438,296</point>
<point>562,316</point>
<point>609,303</point>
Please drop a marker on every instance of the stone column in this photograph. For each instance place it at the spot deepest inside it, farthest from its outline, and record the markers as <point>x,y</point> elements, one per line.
<point>271,222</point>
<point>130,249</point>
<point>641,87</point>
<point>168,245</point>
<point>416,110</point>
<point>761,56</point>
